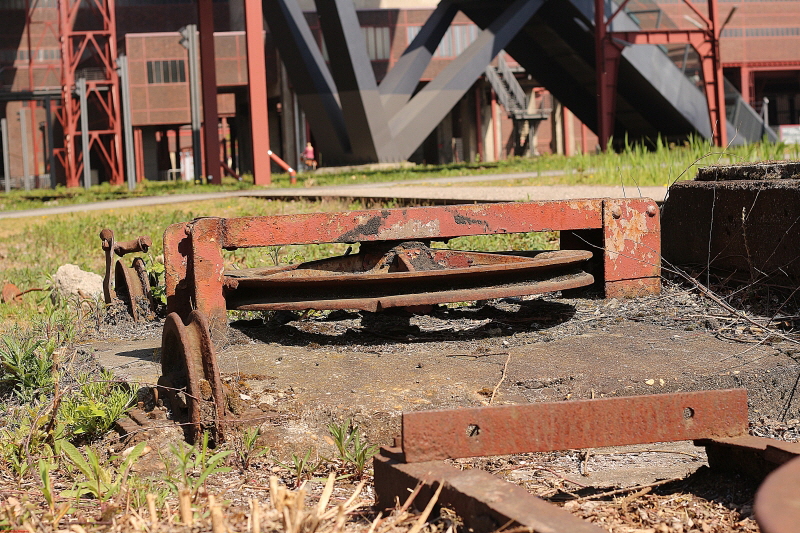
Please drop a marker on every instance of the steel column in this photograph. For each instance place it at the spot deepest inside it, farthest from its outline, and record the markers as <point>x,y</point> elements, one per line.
<point>51,152</point>
<point>6,162</point>
<point>257,91</point>
<point>23,134</point>
<point>208,76</point>
<point>85,140</point>
<point>130,158</point>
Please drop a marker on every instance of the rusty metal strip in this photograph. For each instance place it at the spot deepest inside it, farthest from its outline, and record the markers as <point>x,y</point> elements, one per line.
<point>777,503</point>
<point>432,435</point>
<point>484,502</point>
<point>413,223</point>
<point>251,301</point>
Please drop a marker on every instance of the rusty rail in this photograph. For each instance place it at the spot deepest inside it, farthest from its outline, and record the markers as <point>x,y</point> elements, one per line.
<point>714,419</point>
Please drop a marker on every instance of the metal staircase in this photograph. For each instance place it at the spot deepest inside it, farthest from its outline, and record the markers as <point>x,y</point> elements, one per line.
<point>510,93</point>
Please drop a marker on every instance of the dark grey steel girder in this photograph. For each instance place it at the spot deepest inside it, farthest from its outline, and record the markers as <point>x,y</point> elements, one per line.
<point>355,121</point>
<point>423,113</point>
<point>310,76</point>
<point>351,67</point>
<point>400,83</point>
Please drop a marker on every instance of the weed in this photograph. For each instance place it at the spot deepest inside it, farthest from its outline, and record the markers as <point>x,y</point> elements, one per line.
<point>246,449</point>
<point>101,481</point>
<point>353,452</point>
<point>27,366</point>
<point>94,408</point>
<point>195,465</point>
<point>302,468</point>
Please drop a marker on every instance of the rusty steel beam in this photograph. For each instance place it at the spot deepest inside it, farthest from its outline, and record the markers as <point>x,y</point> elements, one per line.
<point>484,502</point>
<point>411,223</point>
<point>433,435</point>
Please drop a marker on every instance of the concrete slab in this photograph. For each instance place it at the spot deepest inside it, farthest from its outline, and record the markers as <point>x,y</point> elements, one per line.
<point>307,373</point>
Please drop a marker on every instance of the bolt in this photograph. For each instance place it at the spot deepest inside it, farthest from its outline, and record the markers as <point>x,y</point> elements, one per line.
<point>616,212</point>
<point>651,210</point>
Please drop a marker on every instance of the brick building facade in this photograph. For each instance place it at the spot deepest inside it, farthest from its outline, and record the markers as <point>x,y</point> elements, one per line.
<point>760,53</point>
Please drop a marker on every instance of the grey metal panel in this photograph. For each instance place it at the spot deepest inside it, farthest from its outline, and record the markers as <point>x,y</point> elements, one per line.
<point>428,107</point>
<point>351,67</point>
<point>310,77</point>
<point>400,83</point>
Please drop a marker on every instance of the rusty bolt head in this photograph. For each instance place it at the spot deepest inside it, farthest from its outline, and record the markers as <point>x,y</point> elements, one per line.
<point>651,211</point>
<point>616,212</point>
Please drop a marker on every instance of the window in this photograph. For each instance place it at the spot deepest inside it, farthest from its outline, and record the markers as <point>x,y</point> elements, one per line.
<point>378,42</point>
<point>167,71</point>
<point>455,40</point>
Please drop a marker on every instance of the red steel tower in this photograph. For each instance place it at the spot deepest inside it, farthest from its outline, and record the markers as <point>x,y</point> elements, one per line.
<point>88,52</point>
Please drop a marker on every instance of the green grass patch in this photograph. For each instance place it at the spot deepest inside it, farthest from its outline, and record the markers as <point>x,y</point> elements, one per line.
<point>656,164</point>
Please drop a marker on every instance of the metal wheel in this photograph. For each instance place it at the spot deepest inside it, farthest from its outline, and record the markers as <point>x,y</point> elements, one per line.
<point>190,380</point>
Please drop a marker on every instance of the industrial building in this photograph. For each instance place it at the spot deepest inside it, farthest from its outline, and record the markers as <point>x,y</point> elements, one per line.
<point>510,109</point>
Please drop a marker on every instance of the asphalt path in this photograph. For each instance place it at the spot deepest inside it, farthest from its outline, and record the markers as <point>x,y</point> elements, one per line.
<point>452,189</point>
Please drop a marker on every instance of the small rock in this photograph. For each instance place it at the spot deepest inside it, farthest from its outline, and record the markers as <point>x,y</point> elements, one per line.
<point>70,281</point>
<point>650,382</point>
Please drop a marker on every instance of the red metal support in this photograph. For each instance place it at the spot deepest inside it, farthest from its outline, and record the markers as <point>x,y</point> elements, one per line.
<point>705,40</point>
<point>208,80</point>
<point>257,91</point>
<point>90,54</point>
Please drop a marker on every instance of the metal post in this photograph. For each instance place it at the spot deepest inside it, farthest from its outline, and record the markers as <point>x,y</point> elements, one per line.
<point>208,77</point>
<point>189,41</point>
<point>257,91</point>
<point>23,127</point>
<point>130,163</point>
<point>6,162</point>
<point>85,142</point>
<point>51,152</point>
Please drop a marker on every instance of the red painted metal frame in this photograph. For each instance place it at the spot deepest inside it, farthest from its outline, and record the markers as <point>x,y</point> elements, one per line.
<point>629,244</point>
<point>608,50</point>
<point>482,431</point>
<point>257,90</point>
<point>208,81</point>
<point>105,128</point>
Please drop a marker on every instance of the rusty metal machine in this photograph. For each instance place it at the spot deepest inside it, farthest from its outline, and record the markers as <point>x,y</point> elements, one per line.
<point>132,283</point>
<point>614,243</point>
<point>717,420</point>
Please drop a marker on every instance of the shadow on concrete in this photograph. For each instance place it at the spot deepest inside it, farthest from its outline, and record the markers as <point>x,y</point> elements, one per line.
<point>475,322</point>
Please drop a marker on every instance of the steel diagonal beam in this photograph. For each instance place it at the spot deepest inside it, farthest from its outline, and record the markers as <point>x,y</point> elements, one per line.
<point>312,81</point>
<point>417,119</point>
<point>364,117</point>
<point>401,82</point>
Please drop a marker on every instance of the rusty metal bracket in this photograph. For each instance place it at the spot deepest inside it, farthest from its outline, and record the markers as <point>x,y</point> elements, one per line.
<point>714,419</point>
<point>626,252</point>
<point>132,283</point>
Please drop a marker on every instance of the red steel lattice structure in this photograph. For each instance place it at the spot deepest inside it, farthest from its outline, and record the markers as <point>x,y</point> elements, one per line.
<point>704,39</point>
<point>90,54</point>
